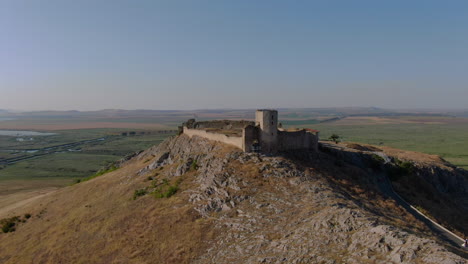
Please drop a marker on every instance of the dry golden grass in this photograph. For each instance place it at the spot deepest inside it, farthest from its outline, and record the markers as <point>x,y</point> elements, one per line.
<point>361,147</point>
<point>98,222</point>
<point>398,153</point>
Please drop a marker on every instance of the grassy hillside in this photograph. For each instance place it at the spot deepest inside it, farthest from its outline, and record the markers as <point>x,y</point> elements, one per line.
<point>102,224</point>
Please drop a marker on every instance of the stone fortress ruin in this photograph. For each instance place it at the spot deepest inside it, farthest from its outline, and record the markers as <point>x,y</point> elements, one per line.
<point>264,135</point>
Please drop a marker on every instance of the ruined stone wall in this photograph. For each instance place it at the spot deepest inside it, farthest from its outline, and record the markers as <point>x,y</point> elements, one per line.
<point>291,140</point>
<point>234,141</point>
<point>222,124</point>
<point>249,135</point>
<point>262,135</point>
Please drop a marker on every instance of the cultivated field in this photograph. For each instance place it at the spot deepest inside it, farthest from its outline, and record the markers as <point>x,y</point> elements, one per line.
<point>46,163</point>
<point>47,124</point>
<point>443,136</point>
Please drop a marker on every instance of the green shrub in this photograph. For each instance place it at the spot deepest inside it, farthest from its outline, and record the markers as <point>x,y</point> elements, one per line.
<point>171,191</point>
<point>154,184</point>
<point>27,216</point>
<point>104,171</point>
<point>166,190</point>
<point>97,174</point>
<point>194,165</point>
<point>8,227</point>
<point>399,169</point>
<point>138,193</point>
<point>406,167</point>
<point>335,138</point>
<point>9,224</point>
<point>376,161</point>
<point>378,158</point>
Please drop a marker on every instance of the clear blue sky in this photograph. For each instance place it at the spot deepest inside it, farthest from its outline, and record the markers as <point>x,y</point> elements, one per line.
<point>95,54</point>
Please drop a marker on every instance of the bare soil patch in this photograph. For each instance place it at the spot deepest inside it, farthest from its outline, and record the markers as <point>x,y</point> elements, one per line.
<point>15,194</point>
<point>17,200</point>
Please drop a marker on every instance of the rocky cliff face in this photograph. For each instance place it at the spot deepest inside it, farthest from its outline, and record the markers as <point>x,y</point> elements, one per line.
<point>440,190</point>
<point>301,208</point>
<point>428,182</point>
<point>190,200</point>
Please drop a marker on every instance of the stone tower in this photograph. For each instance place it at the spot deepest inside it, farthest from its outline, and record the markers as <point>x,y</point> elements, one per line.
<point>268,122</point>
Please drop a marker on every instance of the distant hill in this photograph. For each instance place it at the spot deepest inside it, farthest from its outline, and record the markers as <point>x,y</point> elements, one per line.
<point>240,113</point>
<point>460,113</point>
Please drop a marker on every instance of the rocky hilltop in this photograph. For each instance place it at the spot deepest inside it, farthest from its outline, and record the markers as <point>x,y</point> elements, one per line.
<point>189,200</point>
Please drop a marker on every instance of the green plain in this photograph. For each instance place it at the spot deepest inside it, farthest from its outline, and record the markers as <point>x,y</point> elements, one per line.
<point>450,141</point>
<point>67,166</point>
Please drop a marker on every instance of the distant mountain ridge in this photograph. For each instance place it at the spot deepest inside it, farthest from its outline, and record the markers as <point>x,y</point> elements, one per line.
<point>339,111</point>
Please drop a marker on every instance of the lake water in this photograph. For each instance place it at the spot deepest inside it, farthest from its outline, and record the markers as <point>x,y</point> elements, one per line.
<point>6,119</point>
<point>23,133</point>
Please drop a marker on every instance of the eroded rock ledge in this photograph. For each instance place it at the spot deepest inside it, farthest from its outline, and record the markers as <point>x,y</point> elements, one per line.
<point>281,210</point>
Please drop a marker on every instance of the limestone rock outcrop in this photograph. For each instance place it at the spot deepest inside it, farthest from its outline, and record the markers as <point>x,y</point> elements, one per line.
<point>291,209</point>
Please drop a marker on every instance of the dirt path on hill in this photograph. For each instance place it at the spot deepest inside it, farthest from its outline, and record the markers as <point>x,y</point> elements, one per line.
<point>17,200</point>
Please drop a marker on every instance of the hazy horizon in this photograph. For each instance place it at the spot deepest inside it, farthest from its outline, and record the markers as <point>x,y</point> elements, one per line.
<point>403,110</point>
<point>92,55</point>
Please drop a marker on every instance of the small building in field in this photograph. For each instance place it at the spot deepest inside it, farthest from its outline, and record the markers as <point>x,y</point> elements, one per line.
<point>263,135</point>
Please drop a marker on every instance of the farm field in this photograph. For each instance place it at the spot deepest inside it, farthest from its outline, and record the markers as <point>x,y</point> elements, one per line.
<point>62,166</point>
<point>60,123</point>
<point>443,136</point>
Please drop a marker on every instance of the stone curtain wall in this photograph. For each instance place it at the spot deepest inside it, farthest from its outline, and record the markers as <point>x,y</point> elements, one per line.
<point>234,141</point>
<point>290,140</point>
<point>222,124</point>
<point>287,140</point>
